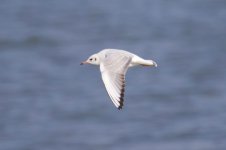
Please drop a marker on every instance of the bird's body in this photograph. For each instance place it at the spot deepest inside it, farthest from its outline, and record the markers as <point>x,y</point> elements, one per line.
<point>113,66</point>
<point>135,60</point>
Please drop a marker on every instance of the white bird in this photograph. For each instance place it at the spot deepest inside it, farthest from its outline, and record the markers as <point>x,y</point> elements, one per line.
<point>114,64</point>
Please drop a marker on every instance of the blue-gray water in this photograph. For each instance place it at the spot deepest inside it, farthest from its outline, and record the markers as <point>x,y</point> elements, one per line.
<point>49,102</point>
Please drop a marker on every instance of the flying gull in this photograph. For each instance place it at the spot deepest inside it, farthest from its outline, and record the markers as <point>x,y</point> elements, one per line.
<point>114,64</point>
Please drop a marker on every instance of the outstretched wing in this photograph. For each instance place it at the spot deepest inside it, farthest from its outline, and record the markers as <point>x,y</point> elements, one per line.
<point>113,69</point>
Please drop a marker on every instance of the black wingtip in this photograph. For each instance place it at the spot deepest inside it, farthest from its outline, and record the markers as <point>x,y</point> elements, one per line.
<point>120,107</point>
<point>121,101</point>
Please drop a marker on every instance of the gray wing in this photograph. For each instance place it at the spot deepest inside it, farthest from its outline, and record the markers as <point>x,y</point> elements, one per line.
<point>113,69</point>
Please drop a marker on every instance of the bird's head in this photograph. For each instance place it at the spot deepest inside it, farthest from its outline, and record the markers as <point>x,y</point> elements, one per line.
<point>94,60</point>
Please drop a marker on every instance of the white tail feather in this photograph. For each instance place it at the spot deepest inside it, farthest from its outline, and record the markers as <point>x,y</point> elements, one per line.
<point>149,63</point>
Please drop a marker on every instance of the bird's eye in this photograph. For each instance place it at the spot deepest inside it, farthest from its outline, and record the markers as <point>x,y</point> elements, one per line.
<point>91,59</point>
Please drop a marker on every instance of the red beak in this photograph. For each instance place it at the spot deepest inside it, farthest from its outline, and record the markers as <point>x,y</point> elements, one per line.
<point>84,62</point>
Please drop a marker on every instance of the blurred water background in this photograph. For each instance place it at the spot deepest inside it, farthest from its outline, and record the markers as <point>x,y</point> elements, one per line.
<point>49,102</point>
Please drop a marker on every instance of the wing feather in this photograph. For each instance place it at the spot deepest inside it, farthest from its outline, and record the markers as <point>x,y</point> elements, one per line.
<point>113,69</point>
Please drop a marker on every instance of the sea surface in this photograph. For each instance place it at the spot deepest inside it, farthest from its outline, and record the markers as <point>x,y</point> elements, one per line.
<point>49,102</point>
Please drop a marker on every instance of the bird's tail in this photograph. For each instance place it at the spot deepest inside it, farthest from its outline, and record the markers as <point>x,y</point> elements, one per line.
<point>149,63</point>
